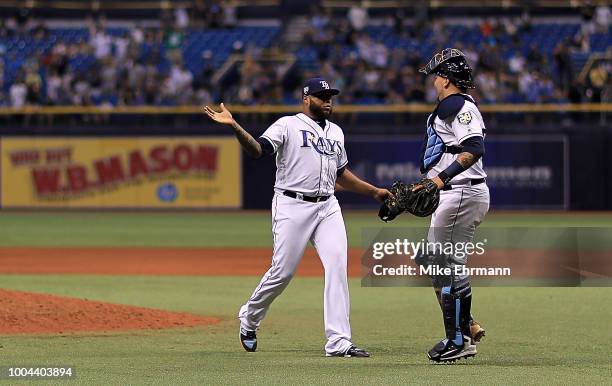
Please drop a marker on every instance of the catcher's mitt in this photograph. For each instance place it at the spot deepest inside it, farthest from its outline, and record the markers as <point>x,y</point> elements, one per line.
<point>422,202</point>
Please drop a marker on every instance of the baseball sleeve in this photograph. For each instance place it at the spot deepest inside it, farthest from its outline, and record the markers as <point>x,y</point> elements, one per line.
<point>276,134</point>
<point>467,124</point>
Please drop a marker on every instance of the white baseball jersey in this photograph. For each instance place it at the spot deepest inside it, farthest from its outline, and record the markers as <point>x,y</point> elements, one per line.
<point>307,159</point>
<point>307,156</point>
<point>467,123</point>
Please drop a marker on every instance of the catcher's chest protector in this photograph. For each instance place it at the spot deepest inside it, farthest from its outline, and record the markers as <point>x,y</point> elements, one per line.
<point>433,146</point>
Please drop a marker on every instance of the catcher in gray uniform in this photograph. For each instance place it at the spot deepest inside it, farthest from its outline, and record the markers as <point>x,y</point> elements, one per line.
<point>453,191</point>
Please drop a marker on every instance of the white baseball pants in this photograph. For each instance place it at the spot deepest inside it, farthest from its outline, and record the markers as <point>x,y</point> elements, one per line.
<point>460,211</point>
<point>294,222</point>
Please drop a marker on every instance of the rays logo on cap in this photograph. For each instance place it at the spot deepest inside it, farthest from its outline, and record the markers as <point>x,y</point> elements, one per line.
<point>316,85</point>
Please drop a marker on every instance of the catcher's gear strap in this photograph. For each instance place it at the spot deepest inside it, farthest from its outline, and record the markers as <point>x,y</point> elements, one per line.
<point>451,105</point>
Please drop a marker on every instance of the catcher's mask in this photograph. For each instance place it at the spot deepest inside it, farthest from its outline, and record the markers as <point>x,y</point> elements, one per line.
<point>451,63</point>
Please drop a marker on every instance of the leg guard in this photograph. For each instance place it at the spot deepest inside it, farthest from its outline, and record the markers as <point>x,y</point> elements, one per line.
<point>439,297</point>
<point>456,302</point>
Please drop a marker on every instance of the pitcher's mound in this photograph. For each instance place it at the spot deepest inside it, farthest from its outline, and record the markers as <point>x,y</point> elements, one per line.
<point>26,312</point>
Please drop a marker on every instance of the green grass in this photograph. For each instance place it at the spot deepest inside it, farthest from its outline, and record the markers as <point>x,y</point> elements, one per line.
<point>535,335</point>
<point>240,229</point>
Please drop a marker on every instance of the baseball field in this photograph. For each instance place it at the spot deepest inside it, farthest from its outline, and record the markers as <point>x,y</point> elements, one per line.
<point>131,298</point>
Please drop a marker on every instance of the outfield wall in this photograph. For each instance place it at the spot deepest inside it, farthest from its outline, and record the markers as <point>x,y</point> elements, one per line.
<point>566,169</point>
<point>127,172</point>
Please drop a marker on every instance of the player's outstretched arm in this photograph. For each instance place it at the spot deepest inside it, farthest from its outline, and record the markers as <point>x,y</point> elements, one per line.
<point>248,143</point>
<point>351,182</point>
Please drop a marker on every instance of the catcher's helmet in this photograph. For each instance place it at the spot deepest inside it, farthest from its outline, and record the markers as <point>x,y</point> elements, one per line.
<point>451,63</point>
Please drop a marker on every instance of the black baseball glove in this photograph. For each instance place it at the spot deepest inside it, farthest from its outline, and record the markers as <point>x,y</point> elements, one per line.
<point>394,206</point>
<point>424,201</point>
<point>421,203</point>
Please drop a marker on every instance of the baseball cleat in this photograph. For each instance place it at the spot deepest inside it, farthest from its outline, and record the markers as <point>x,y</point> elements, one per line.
<point>448,352</point>
<point>352,352</point>
<point>477,331</point>
<point>248,339</point>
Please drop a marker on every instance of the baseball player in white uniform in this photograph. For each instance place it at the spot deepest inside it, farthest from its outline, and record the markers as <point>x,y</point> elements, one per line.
<point>451,158</point>
<point>310,161</point>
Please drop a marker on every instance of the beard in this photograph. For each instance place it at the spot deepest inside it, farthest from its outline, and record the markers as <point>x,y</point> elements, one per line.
<point>319,111</point>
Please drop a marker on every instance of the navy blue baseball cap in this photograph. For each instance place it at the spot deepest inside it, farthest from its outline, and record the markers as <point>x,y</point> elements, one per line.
<point>318,86</point>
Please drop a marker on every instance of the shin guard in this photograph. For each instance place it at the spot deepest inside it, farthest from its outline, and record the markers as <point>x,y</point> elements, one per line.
<point>456,302</point>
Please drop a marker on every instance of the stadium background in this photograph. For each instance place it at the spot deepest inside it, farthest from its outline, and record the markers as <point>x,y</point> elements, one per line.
<point>100,111</point>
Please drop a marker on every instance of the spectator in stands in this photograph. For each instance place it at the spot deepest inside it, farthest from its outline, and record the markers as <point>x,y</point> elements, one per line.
<point>422,18</point>
<point>563,65</point>
<point>181,18</point>
<point>486,28</point>
<point>1,74</point>
<point>181,81</point>
<point>214,16</point>
<point>100,41</point>
<point>581,42</point>
<point>587,11</point>
<point>173,41</point>
<point>137,34</point>
<point>439,33</point>
<point>18,91</point>
<point>108,76</point>
<point>365,48</point>
<point>535,59</point>
<point>121,44</point>
<point>40,31</point>
<point>510,27</point>
<point>602,19</point>
<point>516,63</point>
<point>598,79</point>
<point>145,66</point>
<point>54,83</point>
<point>606,93</point>
<point>22,20</point>
<point>381,54</point>
<point>230,14</point>
<point>410,86</point>
<point>33,82</point>
<point>399,18</point>
<point>5,29</point>
<point>524,22</point>
<point>358,17</point>
<point>319,18</point>
<point>487,85</point>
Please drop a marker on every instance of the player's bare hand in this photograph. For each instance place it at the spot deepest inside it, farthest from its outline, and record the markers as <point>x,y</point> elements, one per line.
<point>223,117</point>
<point>382,194</point>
